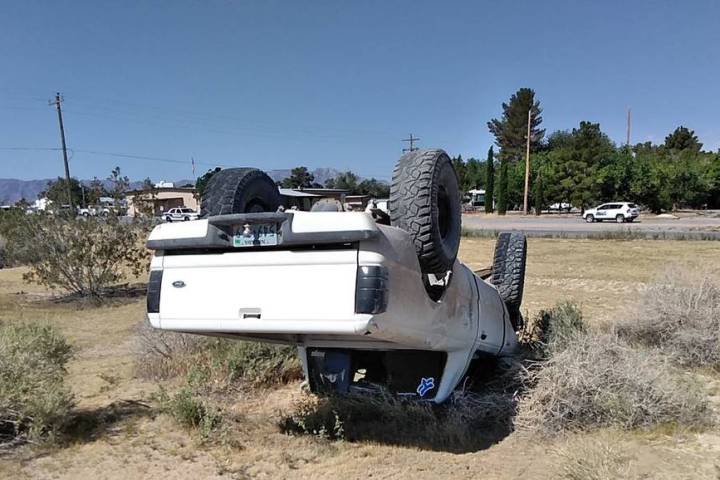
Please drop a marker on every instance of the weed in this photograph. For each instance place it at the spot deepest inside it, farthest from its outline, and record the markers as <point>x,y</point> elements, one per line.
<point>34,401</point>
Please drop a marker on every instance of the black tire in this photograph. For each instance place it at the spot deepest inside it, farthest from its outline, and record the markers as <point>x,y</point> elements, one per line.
<point>619,218</point>
<point>168,219</point>
<point>508,273</point>
<point>239,190</point>
<point>589,218</point>
<point>425,202</point>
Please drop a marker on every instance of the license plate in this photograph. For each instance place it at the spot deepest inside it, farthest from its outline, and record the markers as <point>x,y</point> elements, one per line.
<point>256,235</point>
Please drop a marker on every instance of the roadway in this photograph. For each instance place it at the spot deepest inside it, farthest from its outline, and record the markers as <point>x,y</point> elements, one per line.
<point>693,225</point>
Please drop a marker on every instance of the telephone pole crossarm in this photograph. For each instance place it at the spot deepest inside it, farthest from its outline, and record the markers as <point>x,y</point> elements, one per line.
<point>411,141</point>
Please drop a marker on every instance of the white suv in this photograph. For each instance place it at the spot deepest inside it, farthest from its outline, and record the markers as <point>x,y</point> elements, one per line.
<point>618,212</point>
<point>180,214</point>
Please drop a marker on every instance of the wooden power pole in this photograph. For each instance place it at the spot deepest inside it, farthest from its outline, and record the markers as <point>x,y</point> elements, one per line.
<point>527,164</point>
<point>629,122</point>
<point>57,102</point>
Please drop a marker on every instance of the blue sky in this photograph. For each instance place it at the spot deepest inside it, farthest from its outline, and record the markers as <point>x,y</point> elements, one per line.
<point>275,84</point>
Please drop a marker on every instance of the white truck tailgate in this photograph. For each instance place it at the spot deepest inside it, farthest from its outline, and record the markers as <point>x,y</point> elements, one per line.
<point>271,291</point>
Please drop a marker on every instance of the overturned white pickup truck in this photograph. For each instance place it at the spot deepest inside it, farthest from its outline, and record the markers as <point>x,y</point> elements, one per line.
<point>369,306</point>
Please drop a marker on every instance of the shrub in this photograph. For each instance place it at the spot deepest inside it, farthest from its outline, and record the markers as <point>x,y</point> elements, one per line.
<point>189,409</point>
<point>217,362</point>
<point>598,380</point>
<point>79,256</point>
<point>161,354</point>
<point>593,459</point>
<point>467,422</point>
<point>34,402</point>
<point>556,328</point>
<point>680,315</point>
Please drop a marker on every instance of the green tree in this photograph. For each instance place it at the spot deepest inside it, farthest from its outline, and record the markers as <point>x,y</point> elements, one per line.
<point>461,171</point>
<point>119,185</point>
<point>345,180</point>
<point>538,193</point>
<point>577,164</point>
<point>502,184</point>
<point>373,188</point>
<point>57,193</point>
<point>202,182</point>
<point>510,133</point>
<point>489,181</point>
<point>299,178</point>
<point>683,139</point>
<point>474,173</point>
<point>94,191</point>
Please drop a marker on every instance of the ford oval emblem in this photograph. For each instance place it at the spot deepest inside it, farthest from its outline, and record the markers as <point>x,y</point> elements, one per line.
<point>178,284</point>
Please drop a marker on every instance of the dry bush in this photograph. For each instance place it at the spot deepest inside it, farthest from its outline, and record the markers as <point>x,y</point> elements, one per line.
<point>82,257</point>
<point>160,354</point>
<point>552,330</point>
<point>191,410</point>
<point>467,422</point>
<point>598,380</point>
<point>592,459</point>
<point>214,361</point>
<point>34,401</point>
<point>680,315</point>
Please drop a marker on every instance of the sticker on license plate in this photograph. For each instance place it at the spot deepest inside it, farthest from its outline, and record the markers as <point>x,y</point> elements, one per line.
<point>256,235</point>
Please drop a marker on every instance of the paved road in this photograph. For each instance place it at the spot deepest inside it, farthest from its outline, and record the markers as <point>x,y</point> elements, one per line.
<point>699,226</point>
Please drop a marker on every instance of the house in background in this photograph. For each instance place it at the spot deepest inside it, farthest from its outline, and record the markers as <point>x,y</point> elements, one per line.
<point>160,199</point>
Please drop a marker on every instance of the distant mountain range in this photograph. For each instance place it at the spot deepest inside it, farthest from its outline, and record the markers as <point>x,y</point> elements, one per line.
<point>12,189</point>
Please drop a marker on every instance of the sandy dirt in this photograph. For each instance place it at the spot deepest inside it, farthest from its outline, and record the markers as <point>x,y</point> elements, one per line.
<point>126,437</point>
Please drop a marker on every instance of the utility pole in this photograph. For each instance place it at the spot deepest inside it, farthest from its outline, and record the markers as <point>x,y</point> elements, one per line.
<point>527,164</point>
<point>57,102</point>
<point>629,122</point>
<point>412,141</point>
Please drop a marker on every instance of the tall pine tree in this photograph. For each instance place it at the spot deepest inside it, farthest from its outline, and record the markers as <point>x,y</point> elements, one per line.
<point>511,133</point>
<point>502,199</point>
<point>538,193</point>
<point>489,181</point>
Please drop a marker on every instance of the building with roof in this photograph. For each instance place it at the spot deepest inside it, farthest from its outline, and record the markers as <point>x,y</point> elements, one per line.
<point>158,200</point>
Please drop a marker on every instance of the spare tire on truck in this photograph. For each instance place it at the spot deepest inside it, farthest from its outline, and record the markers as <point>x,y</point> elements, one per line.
<point>239,190</point>
<point>508,272</point>
<point>425,202</point>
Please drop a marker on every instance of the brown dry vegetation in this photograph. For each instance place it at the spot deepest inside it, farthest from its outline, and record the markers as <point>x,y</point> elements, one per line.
<point>118,432</point>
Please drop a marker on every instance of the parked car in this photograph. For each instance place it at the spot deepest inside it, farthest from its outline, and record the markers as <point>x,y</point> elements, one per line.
<point>180,214</point>
<point>560,207</point>
<point>371,307</point>
<point>617,212</point>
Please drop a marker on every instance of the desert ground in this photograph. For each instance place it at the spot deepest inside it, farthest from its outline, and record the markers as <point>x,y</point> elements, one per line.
<point>122,435</point>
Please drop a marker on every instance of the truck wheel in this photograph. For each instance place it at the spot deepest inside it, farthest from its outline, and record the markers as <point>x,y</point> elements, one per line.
<point>425,202</point>
<point>508,273</point>
<point>239,190</point>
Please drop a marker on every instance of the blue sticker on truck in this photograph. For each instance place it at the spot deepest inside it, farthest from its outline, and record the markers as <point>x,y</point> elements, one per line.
<point>426,384</point>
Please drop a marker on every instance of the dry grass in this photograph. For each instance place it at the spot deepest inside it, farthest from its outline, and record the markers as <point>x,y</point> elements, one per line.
<point>468,422</point>
<point>134,445</point>
<point>593,459</point>
<point>213,361</point>
<point>598,380</point>
<point>161,354</point>
<point>680,315</point>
